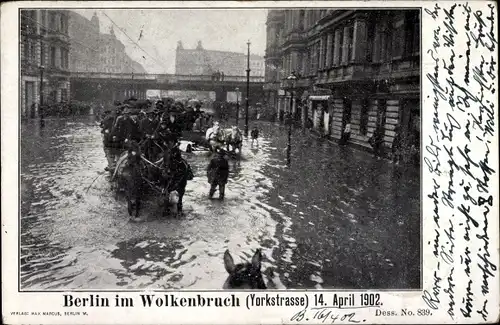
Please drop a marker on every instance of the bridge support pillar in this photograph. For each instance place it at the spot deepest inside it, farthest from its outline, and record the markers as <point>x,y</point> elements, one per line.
<point>220,94</point>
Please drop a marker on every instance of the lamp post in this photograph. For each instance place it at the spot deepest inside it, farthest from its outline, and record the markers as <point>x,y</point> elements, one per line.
<point>40,109</point>
<point>289,119</point>
<point>237,106</point>
<point>248,89</point>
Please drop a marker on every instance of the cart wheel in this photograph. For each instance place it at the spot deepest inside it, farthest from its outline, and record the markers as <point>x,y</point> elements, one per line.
<point>189,148</point>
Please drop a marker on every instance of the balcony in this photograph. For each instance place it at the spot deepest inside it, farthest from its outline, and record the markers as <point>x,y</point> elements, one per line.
<point>398,68</point>
<point>302,82</point>
<point>365,71</point>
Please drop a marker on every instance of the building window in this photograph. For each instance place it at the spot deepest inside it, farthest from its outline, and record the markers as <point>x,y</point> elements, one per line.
<point>301,20</point>
<point>52,21</point>
<point>64,94</point>
<point>52,56</point>
<point>350,35</point>
<point>412,34</point>
<point>53,96</point>
<point>370,40</point>
<point>324,51</point>
<point>398,37</point>
<point>44,20</point>
<point>30,51</point>
<point>64,58</point>
<point>385,43</point>
<point>314,58</point>
<point>26,51</point>
<point>42,54</point>
<point>337,47</point>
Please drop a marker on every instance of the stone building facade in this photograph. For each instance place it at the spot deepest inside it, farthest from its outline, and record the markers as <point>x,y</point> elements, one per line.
<point>44,55</point>
<point>360,67</point>
<point>93,51</point>
<point>200,61</point>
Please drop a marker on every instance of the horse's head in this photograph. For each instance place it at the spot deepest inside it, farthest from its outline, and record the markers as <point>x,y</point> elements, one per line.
<point>244,275</point>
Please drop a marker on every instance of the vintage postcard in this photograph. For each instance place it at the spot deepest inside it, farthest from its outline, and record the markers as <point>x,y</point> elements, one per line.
<point>250,162</point>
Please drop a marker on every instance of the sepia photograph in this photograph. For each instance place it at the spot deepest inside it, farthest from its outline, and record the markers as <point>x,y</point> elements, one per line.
<point>219,148</point>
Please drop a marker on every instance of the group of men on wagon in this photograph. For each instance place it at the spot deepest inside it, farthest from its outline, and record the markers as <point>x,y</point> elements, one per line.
<point>159,126</point>
<point>155,132</point>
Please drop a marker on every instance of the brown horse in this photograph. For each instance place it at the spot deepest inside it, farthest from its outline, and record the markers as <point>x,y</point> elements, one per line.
<point>130,179</point>
<point>244,275</point>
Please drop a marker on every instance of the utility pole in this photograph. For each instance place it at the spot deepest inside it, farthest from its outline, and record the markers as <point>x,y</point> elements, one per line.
<point>237,106</point>
<point>248,89</point>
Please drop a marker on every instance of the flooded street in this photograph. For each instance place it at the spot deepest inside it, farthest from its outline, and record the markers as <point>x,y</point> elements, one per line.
<point>337,218</point>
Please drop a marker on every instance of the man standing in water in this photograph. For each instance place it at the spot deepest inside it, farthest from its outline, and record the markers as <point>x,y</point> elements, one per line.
<point>217,173</point>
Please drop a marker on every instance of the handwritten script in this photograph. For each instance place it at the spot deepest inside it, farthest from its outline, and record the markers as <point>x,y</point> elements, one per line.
<point>328,315</point>
<point>460,158</point>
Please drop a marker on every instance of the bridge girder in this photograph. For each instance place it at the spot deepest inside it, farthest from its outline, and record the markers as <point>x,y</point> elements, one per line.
<point>120,89</point>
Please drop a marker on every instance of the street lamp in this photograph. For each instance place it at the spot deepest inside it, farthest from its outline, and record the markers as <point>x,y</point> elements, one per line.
<point>40,109</point>
<point>289,120</point>
<point>237,106</point>
<point>248,89</point>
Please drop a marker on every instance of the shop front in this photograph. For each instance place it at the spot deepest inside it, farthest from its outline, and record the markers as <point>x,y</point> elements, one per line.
<point>320,111</point>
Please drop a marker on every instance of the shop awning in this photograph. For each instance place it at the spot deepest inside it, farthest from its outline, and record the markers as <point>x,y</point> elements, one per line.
<point>317,97</point>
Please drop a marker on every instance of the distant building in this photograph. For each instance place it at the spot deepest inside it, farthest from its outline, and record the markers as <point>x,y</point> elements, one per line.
<point>357,67</point>
<point>84,43</point>
<point>44,52</point>
<point>93,51</point>
<point>200,61</point>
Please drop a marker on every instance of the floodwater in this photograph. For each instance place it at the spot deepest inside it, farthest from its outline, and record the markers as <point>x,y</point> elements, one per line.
<point>337,218</point>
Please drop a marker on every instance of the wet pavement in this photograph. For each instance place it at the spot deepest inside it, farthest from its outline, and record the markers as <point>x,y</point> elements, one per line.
<point>337,218</point>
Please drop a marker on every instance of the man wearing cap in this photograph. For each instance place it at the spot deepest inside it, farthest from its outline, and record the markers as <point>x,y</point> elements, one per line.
<point>217,174</point>
<point>174,125</point>
<point>164,135</point>
<point>110,149</point>
<point>159,106</point>
<point>126,129</point>
<point>147,127</point>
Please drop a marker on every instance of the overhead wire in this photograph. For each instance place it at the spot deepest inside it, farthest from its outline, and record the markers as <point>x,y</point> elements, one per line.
<point>72,40</point>
<point>134,42</point>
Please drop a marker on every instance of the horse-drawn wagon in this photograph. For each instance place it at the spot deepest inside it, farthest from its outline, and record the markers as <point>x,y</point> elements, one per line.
<point>136,176</point>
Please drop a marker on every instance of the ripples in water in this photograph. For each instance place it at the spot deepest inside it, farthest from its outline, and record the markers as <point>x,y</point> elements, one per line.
<point>324,222</point>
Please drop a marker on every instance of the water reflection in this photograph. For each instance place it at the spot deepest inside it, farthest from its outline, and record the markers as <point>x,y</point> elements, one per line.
<point>335,218</point>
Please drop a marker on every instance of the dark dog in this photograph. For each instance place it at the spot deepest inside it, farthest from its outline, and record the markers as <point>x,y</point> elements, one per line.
<point>244,275</point>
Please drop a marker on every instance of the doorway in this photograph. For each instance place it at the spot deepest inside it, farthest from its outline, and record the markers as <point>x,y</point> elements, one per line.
<point>29,99</point>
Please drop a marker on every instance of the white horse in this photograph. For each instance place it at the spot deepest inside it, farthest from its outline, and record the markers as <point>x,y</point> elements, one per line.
<point>233,138</point>
<point>215,137</point>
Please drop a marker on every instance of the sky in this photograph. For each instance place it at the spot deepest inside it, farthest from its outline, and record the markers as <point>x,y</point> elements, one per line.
<point>225,30</point>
